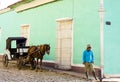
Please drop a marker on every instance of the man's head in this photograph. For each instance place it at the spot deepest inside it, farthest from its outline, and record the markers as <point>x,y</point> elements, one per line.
<point>88,47</point>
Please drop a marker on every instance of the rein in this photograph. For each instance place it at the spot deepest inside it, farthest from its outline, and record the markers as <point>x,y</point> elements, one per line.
<point>34,51</point>
<point>37,50</point>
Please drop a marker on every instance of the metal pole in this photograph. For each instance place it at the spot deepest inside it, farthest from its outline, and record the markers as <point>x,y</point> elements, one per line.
<point>101,14</point>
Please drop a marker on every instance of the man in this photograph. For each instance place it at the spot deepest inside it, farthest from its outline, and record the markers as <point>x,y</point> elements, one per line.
<point>88,60</point>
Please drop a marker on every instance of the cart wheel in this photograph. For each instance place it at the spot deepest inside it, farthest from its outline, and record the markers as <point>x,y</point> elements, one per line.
<point>19,63</point>
<point>5,60</point>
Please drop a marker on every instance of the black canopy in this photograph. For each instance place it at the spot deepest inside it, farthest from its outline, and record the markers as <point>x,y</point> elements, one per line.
<point>19,40</point>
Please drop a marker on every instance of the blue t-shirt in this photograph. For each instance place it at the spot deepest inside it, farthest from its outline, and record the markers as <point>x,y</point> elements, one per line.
<point>88,56</point>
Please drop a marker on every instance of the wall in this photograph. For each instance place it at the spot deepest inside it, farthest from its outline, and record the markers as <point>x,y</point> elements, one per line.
<point>86,29</point>
<point>111,36</point>
<point>9,27</point>
<point>42,21</point>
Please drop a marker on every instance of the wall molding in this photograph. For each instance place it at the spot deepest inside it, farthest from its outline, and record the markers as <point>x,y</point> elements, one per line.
<point>32,4</point>
<point>4,10</point>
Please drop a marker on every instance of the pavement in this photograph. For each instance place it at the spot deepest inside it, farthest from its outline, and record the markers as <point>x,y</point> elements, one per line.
<point>72,73</point>
<point>111,79</point>
<point>82,76</point>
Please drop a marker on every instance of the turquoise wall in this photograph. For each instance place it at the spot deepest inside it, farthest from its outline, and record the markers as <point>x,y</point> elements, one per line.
<point>111,37</point>
<point>42,21</point>
<point>10,26</point>
<point>86,29</point>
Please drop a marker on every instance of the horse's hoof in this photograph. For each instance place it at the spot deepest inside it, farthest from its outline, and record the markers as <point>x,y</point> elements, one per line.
<point>36,70</point>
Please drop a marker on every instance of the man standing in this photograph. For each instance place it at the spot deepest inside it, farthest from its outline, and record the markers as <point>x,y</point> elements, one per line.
<point>88,60</point>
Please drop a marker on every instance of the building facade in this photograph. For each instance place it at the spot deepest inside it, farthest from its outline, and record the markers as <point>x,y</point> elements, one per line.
<point>68,26</point>
<point>111,38</point>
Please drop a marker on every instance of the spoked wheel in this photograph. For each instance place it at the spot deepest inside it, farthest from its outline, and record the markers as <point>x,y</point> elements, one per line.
<point>5,60</point>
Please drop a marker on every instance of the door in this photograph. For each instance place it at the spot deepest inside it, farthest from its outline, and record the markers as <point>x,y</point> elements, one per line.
<point>64,44</point>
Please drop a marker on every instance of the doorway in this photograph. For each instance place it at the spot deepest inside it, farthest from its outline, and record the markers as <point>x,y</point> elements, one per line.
<point>64,43</point>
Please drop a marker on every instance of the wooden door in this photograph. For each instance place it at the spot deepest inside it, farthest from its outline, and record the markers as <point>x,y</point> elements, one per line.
<point>64,43</point>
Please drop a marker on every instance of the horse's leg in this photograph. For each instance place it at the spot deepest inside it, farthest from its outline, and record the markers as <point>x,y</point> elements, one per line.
<point>27,59</point>
<point>30,60</point>
<point>41,62</point>
<point>37,65</point>
<point>31,63</point>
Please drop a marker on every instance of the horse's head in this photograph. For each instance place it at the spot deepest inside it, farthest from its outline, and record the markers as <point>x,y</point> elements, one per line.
<point>47,48</point>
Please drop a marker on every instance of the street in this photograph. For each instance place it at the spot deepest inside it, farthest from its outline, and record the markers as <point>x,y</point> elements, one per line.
<point>12,74</point>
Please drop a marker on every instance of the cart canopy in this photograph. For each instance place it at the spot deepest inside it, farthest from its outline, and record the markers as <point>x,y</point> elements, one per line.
<point>20,41</point>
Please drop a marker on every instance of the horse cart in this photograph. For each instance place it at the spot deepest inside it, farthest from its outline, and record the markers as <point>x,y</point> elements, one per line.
<point>15,50</point>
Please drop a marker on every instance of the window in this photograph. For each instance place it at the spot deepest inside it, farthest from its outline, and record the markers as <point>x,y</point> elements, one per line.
<point>25,32</point>
<point>13,44</point>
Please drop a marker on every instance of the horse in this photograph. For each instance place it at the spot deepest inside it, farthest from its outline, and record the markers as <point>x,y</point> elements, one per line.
<point>37,52</point>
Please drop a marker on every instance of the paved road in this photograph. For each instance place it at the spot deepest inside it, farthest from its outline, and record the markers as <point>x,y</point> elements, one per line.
<point>12,74</point>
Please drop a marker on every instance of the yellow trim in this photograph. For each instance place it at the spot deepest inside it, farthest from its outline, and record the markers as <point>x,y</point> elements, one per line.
<point>4,10</point>
<point>32,4</point>
<point>64,19</point>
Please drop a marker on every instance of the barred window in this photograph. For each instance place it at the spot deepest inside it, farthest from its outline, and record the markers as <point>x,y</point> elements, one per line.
<point>25,32</point>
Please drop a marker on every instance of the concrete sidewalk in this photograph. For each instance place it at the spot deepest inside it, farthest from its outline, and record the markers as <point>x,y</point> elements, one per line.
<point>74,74</point>
<point>111,80</point>
<point>82,76</point>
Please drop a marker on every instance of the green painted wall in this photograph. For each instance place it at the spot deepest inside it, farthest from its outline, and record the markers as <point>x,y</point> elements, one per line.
<point>9,26</point>
<point>42,21</point>
<point>112,40</point>
<point>86,29</point>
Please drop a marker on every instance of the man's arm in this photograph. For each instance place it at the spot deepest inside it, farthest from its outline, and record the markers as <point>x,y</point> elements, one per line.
<point>92,57</point>
<point>84,58</point>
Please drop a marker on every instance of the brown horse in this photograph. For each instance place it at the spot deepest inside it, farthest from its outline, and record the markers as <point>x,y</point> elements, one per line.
<point>37,52</point>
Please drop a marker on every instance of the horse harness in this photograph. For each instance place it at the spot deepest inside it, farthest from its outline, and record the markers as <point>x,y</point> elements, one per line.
<point>37,50</point>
